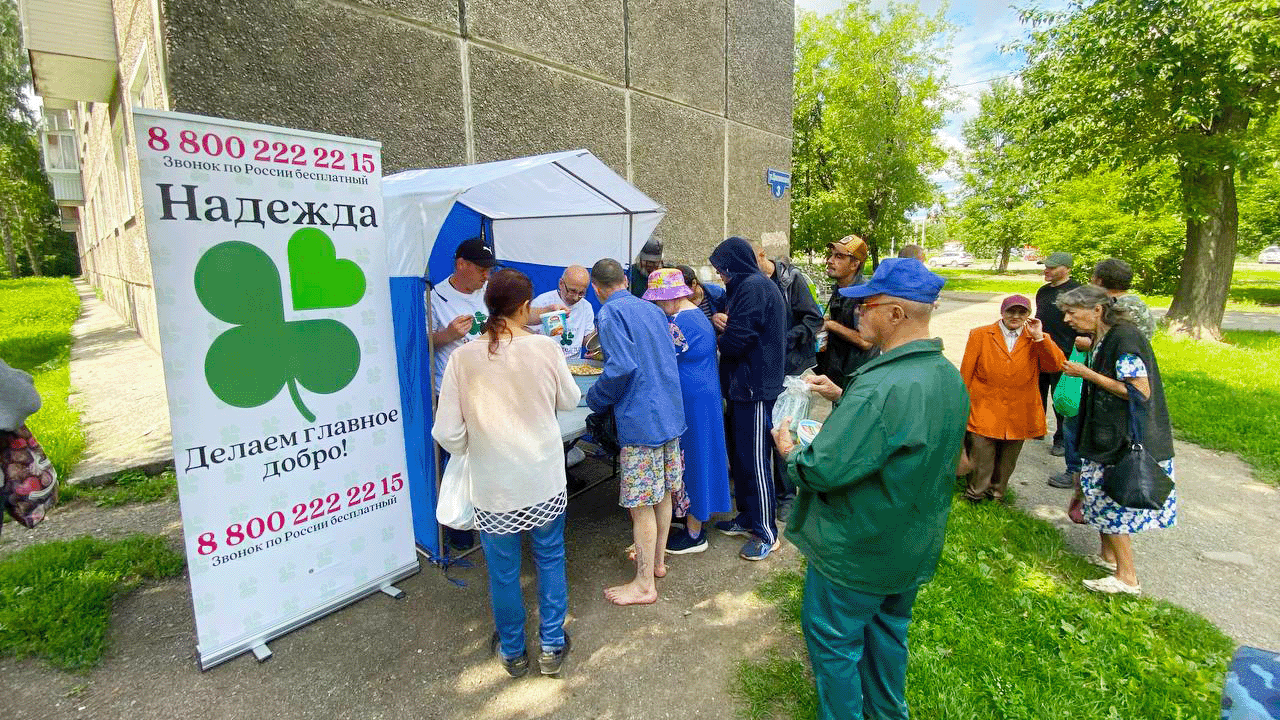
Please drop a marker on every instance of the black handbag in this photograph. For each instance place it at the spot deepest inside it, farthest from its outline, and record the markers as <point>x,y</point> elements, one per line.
<point>1137,481</point>
<point>604,431</point>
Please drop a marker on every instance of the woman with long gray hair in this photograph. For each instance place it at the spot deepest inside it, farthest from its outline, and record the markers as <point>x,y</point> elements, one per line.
<point>1121,358</point>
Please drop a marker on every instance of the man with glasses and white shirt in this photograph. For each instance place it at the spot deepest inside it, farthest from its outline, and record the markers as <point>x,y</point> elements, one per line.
<point>846,350</point>
<point>571,295</point>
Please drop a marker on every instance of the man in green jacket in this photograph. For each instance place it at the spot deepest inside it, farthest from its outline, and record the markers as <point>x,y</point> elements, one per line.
<point>875,491</point>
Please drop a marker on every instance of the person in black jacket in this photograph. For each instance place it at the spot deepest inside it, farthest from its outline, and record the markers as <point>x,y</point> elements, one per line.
<point>805,322</point>
<point>1122,358</point>
<point>803,313</point>
<point>752,354</point>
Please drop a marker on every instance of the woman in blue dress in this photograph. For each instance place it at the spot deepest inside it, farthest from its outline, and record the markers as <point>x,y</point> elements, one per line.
<point>1122,358</point>
<point>706,465</point>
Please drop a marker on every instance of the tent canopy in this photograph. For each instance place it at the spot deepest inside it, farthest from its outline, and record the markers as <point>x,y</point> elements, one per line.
<point>555,210</point>
<point>539,214</point>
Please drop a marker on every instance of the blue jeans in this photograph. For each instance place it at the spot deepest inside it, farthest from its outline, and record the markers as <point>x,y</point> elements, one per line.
<point>502,556</point>
<point>1071,443</point>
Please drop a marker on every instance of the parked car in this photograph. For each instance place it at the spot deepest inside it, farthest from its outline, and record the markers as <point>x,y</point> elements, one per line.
<point>952,258</point>
<point>1270,255</point>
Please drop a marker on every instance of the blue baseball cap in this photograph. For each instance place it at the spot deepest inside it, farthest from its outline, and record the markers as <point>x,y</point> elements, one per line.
<point>905,278</point>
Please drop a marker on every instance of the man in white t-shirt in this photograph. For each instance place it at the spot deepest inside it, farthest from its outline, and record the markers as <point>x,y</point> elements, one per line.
<point>570,294</point>
<point>457,304</point>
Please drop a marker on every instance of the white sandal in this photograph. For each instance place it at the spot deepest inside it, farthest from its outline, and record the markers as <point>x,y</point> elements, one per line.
<point>1096,559</point>
<point>1113,585</point>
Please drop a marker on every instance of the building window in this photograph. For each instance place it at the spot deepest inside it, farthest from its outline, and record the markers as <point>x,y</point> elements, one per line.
<point>60,151</point>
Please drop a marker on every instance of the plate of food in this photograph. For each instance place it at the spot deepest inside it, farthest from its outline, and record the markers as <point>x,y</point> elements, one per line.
<point>584,369</point>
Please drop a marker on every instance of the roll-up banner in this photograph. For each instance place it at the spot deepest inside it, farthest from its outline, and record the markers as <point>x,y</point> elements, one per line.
<point>269,262</point>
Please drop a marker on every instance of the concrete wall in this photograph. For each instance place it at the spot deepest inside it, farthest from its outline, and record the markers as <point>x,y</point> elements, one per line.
<point>688,99</point>
<point>112,240</point>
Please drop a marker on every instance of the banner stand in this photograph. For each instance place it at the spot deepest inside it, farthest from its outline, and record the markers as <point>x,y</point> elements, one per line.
<point>257,644</point>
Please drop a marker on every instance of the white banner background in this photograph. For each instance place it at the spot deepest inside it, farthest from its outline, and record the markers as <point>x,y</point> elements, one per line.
<point>270,551</point>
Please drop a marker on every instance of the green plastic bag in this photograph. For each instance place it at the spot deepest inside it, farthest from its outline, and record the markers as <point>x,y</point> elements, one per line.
<point>1066,395</point>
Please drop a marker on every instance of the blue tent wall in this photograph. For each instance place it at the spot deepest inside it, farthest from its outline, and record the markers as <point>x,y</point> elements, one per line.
<point>408,314</point>
<point>461,223</point>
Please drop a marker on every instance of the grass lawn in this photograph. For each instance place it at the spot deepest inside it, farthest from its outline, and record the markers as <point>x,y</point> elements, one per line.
<point>55,598</point>
<point>1007,631</point>
<point>1226,397</point>
<point>1254,288</point>
<point>35,335</point>
<point>131,486</point>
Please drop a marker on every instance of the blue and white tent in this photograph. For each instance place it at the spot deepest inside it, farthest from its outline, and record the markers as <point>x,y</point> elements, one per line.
<point>539,214</point>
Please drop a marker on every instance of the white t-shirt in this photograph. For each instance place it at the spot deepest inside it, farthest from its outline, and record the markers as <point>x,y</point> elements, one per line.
<point>448,303</point>
<point>582,320</point>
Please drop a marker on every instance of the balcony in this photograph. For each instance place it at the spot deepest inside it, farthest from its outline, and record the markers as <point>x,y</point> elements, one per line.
<point>72,44</point>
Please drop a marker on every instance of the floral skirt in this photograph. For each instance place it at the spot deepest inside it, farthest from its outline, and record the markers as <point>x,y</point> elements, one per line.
<point>1111,518</point>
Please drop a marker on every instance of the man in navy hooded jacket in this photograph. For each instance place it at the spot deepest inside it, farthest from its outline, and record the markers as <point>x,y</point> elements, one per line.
<point>752,358</point>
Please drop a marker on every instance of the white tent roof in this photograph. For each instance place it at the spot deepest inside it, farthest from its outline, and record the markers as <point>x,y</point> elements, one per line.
<point>555,209</point>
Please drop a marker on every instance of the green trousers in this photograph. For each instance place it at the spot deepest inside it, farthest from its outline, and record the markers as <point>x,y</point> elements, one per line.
<point>858,649</point>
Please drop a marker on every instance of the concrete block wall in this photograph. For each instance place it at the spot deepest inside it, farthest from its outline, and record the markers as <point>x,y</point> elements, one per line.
<point>688,99</point>
<point>112,239</point>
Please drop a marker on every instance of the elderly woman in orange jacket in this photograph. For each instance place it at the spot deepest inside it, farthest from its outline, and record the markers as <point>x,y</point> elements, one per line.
<point>1001,367</point>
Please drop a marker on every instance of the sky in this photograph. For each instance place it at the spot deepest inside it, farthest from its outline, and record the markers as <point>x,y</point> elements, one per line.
<point>983,27</point>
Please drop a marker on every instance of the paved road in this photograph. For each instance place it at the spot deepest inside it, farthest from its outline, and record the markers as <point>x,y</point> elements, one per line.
<point>1222,558</point>
<point>1239,320</point>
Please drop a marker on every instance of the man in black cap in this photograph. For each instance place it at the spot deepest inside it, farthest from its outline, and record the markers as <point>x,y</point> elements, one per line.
<point>458,312</point>
<point>649,259</point>
<point>1057,275</point>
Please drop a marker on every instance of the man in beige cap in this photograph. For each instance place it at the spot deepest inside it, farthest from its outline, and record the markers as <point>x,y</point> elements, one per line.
<point>846,349</point>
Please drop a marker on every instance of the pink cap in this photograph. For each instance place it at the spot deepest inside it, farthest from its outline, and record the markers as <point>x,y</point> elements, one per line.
<point>1014,301</point>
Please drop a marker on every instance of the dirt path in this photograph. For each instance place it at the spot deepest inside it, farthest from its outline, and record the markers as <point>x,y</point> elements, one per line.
<point>1221,560</point>
<point>426,656</point>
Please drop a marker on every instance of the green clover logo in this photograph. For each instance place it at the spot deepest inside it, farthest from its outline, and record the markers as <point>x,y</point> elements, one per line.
<point>566,338</point>
<point>249,364</point>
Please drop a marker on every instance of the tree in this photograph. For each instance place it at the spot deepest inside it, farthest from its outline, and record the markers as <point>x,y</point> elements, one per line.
<point>999,185</point>
<point>29,222</point>
<point>1131,83</point>
<point>1096,216</point>
<point>868,101</point>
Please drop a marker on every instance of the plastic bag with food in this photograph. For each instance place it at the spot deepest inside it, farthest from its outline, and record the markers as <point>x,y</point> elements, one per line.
<point>793,403</point>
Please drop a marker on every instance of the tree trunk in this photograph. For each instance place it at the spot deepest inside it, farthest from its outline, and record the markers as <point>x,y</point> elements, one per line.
<point>33,255</point>
<point>10,257</point>
<point>1004,260</point>
<point>1201,297</point>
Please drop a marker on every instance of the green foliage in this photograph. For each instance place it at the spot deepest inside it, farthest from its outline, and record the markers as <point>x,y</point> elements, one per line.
<point>868,101</point>
<point>1089,217</point>
<point>31,238</point>
<point>1006,630</point>
<point>1172,84</point>
<point>132,486</point>
<point>36,315</point>
<point>1234,411</point>
<point>999,186</point>
<point>55,598</point>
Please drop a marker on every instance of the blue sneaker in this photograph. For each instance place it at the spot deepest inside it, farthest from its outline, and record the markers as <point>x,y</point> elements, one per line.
<point>680,542</point>
<point>731,527</point>
<point>756,549</point>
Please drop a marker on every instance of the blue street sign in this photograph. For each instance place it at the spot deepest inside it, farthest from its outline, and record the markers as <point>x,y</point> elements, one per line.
<point>778,181</point>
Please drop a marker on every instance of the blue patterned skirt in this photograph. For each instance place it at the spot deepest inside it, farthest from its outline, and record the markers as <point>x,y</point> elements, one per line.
<point>1111,518</point>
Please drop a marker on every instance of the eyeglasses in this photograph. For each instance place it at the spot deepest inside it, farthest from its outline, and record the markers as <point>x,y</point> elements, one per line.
<point>863,307</point>
<point>838,255</point>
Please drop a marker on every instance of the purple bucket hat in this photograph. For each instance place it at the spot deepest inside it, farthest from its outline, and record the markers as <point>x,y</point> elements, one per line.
<point>666,284</point>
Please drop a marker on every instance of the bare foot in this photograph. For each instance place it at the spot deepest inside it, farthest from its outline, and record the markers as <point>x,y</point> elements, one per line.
<point>630,594</point>
<point>660,571</point>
